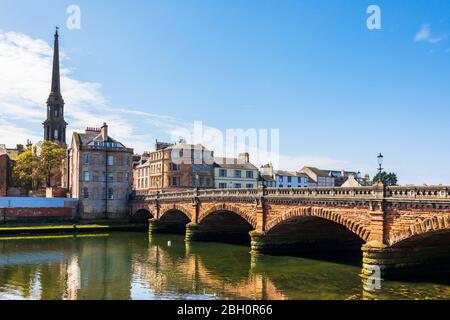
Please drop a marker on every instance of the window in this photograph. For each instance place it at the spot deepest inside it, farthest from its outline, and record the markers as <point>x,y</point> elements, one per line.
<point>289,186</point>
<point>110,177</point>
<point>86,193</point>
<point>249,174</point>
<point>174,181</point>
<point>56,113</point>
<point>237,173</point>
<point>127,176</point>
<point>86,176</point>
<point>86,158</point>
<point>202,168</point>
<point>222,185</point>
<point>110,160</point>
<point>249,186</point>
<point>55,134</point>
<point>174,167</point>
<point>110,194</point>
<point>119,176</point>
<point>127,160</point>
<point>299,180</point>
<point>222,172</point>
<point>289,179</point>
<point>194,168</point>
<point>237,185</point>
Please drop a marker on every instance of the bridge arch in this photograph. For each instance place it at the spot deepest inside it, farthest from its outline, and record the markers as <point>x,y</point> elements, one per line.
<point>327,214</point>
<point>175,208</point>
<point>421,229</point>
<point>221,207</point>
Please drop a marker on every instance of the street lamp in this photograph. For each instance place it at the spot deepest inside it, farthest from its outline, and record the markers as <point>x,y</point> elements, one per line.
<point>380,163</point>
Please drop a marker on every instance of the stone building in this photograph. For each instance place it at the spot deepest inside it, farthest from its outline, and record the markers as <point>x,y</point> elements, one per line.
<point>8,157</point>
<point>174,167</point>
<point>4,174</point>
<point>235,173</point>
<point>98,172</point>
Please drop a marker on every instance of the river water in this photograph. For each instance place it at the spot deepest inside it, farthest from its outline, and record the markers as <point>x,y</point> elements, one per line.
<point>136,266</point>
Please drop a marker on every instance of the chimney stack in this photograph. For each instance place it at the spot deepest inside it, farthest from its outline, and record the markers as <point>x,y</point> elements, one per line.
<point>104,131</point>
<point>244,157</point>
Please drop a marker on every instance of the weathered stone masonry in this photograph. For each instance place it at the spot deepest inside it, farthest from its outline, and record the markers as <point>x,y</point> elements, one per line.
<point>400,228</point>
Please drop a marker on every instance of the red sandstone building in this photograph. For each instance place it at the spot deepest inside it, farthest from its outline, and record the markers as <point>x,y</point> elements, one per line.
<point>4,175</point>
<point>174,167</point>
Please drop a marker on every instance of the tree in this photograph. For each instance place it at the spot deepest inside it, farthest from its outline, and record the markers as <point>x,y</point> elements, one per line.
<point>26,169</point>
<point>34,167</point>
<point>50,161</point>
<point>388,179</point>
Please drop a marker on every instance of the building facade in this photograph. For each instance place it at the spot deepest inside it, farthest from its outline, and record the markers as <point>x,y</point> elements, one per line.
<point>8,156</point>
<point>271,178</point>
<point>99,173</point>
<point>4,174</point>
<point>235,173</point>
<point>173,167</point>
<point>55,125</point>
<point>318,178</point>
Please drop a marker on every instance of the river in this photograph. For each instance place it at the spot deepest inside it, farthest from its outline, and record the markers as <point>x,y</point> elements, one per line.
<point>136,266</point>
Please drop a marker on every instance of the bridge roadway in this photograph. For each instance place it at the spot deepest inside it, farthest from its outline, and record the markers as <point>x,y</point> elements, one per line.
<point>401,230</point>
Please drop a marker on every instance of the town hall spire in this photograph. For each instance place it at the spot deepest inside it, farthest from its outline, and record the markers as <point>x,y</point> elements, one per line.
<point>55,125</point>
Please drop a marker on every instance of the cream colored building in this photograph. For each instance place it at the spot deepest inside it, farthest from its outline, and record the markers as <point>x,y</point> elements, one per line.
<point>235,173</point>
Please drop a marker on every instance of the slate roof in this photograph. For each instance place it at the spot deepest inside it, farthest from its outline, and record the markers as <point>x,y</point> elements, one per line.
<point>233,163</point>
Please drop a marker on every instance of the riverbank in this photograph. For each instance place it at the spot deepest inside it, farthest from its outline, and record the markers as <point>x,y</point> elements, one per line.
<point>79,227</point>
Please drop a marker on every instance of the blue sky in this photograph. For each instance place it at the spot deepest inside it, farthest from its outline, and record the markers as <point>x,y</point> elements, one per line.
<point>338,92</point>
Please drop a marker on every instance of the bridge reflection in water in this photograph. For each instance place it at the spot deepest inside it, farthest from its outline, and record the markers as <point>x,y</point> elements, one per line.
<point>136,266</point>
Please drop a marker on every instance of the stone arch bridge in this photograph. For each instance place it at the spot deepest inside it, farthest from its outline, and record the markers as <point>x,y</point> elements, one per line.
<point>400,229</point>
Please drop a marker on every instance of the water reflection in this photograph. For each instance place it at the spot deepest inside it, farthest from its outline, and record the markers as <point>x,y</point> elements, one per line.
<point>134,266</point>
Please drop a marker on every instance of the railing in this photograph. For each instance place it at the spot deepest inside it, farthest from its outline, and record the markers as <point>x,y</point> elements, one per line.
<point>370,193</point>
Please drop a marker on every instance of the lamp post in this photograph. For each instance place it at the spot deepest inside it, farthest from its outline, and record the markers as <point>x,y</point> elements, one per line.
<point>380,168</point>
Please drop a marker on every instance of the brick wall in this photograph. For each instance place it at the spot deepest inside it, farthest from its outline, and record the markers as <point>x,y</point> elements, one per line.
<point>37,209</point>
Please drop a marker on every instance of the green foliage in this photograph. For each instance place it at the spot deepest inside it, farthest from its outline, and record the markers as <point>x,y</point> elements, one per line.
<point>388,179</point>
<point>32,169</point>
<point>25,171</point>
<point>50,160</point>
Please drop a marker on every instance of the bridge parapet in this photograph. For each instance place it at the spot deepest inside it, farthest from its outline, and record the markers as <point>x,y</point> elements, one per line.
<point>413,193</point>
<point>419,192</point>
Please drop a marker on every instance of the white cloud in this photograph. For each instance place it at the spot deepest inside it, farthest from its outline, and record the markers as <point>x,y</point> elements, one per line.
<point>25,75</point>
<point>424,34</point>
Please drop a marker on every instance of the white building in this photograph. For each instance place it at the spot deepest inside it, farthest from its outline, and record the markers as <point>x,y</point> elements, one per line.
<point>282,179</point>
<point>318,178</point>
<point>235,173</point>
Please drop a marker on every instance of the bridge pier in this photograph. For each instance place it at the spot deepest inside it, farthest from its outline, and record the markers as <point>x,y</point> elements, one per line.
<point>160,226</point>
<point>396,262</point>
<point>262,243</point>
<point>198,232</point>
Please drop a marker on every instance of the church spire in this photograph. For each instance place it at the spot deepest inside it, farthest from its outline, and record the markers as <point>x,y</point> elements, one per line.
<point>56,87</point>
<point>55,126</point>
